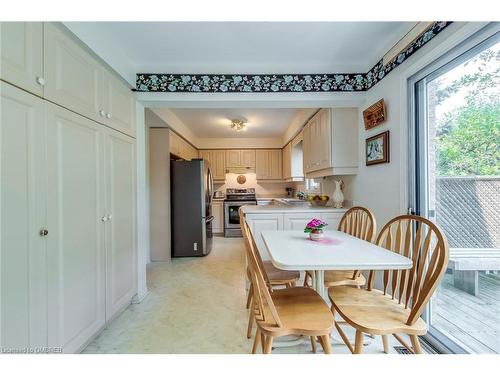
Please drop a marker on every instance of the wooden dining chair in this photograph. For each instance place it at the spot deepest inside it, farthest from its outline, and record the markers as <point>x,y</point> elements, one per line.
<point>274,277</point>
<point>396,309</point>
<point>288,311</point>
<point>358,222</point>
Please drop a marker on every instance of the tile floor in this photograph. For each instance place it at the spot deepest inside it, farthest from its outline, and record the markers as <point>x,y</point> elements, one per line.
<point>195,305</point>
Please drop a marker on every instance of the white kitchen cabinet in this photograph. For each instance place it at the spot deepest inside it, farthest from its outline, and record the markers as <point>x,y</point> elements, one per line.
<point>261,222</point>
<point>73,78</point>
<point>120,226</point>
<point>119,105</point>
<point>75,206</point>
<point>297,221</point>
<point>179,147</point>
<point>287,161</point>
<point>67,228</point>
<point>268,164</point>
<point>21,56</point>
<point>218,213</point>
<point>331,143</point>
<point>240,159</point>
<point>247,158</point>
<point>217,160</point>
<point>23,306</point>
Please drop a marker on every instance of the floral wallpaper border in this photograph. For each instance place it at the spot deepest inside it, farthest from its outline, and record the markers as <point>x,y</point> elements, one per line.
<point>269,83</point>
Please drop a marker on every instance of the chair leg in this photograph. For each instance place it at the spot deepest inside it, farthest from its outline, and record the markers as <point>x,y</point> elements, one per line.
<point>256,341</point>
<point>250,296</point>
<point>358,345</point>
<point>313,343</point>
<point>269,345</point>
<point>344,337</point>
<point>416,344</point>
<point>262,341</point>
<point>385,341</point>
<point>250,322</point>
<point>325,343</point>
<point>306,279</point>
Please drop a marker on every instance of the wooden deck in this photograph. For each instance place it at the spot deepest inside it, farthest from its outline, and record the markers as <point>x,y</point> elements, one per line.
<point>474,321</point>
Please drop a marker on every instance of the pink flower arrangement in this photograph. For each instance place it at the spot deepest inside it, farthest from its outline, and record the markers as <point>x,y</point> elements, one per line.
<point>314,225</point>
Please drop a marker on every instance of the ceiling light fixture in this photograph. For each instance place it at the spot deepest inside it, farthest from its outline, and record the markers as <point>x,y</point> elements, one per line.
<point>238,125</point>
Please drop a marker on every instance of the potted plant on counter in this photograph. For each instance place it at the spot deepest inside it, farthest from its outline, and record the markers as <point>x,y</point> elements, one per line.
<point>315,229</point>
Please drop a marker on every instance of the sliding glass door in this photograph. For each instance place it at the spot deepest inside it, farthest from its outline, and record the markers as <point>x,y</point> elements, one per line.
<point>455,182</point>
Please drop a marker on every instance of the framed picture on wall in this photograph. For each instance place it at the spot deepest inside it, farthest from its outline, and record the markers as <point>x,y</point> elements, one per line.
<point>374,115</point>
<point>377,149</point>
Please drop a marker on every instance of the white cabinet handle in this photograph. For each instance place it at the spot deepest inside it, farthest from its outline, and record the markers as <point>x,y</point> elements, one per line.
<point>108,115</point>
<point>109,217</point>
<point>40,81</point>
<point>102,113</point>
<point>104,218</point>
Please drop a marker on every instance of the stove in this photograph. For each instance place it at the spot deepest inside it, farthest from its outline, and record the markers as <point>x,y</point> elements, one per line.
<point>235,198</point>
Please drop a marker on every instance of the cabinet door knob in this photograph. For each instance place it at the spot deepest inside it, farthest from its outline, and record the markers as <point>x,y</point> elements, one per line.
<point>102,113</point>
<point>104,218</point>
<point>109,217</point>
<point>43,232</point>
<point>40,81</point>
<point>108,115</point>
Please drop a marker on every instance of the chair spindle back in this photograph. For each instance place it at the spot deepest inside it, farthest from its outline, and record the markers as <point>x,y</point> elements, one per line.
<point>423,242</point>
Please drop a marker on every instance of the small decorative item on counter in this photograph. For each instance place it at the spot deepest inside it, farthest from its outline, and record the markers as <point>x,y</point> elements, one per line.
<point>338,195</point>
<point>318,200</point>
<point>301,195</point>
<point>315,229</point>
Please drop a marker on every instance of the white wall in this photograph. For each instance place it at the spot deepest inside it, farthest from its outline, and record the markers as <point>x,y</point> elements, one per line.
<point>383,187</point>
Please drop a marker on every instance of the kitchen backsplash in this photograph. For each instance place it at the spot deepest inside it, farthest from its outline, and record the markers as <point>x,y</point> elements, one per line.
<point>262,189</point>
<point>327,187</point>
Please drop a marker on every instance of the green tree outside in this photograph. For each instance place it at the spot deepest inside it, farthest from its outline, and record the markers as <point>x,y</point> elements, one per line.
<point>468,137</point>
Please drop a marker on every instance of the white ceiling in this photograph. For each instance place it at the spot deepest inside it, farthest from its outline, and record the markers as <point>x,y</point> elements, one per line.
<point>261,123</point>
<point>239,47</point>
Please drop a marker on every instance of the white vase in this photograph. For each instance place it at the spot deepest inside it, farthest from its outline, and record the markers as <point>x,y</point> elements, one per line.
<point>317,236</point>
<point>338,195</point>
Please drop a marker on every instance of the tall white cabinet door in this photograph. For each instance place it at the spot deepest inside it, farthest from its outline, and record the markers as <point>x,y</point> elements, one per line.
<point>119,105</point>
<point>75,251</point>
<point>120,227</point>
<point>73,78</point>
<point>23,309</point>
<point>21,55</point>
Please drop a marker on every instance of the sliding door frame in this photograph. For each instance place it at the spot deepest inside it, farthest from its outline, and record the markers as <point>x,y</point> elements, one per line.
<point>418,141</point>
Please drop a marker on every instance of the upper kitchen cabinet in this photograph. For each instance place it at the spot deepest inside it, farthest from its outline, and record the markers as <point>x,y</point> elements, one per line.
<point>217,160</point>
<point>73,78</point>
<point>180,148</point>
<point>119,104</point>
<point>331,143</point>
<point>78,81</point>
<point>293,159</point>
<point>268,165</point>
<point>287,161</point>
<point>240,159</point>
<point>21,61</point>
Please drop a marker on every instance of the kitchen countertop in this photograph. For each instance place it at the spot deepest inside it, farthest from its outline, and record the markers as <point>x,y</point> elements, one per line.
<point>278,208</point>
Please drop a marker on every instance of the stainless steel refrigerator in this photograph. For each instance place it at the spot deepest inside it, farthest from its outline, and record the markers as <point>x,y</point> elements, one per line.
<point>191,207</point>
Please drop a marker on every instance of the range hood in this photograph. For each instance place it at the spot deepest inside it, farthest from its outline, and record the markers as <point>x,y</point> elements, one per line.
<point>240,169</point>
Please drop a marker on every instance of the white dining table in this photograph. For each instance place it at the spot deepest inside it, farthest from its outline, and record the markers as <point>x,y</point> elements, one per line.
<point>293,250</point>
